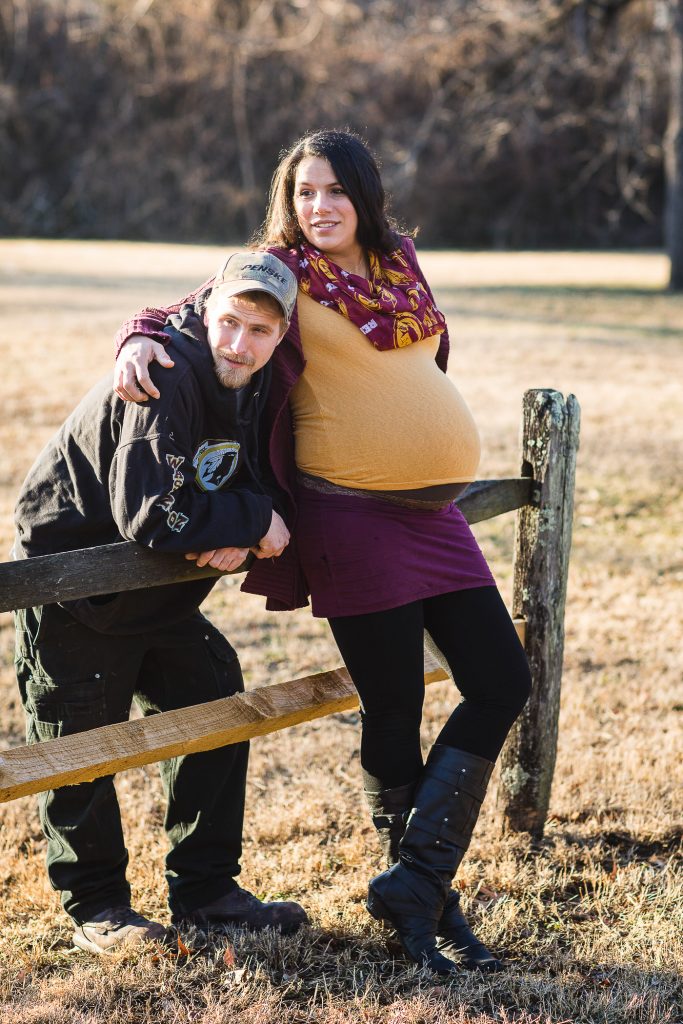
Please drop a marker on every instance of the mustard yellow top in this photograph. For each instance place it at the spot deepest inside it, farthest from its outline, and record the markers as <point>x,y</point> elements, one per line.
<point>374,420</point>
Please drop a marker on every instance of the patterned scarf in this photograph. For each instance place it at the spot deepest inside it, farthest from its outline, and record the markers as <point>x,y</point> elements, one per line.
<point>392,308</point>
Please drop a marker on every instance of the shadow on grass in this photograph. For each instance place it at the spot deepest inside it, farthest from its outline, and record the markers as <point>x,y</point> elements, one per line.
<point>177,283</point>
<point>338,975</point>
<point>562,291</point>
<point>449,295</point>
<point>451,298</point>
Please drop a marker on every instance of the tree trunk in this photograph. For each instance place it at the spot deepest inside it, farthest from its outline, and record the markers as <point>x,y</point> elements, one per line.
<point>245,148</point>
<point>673,143</point>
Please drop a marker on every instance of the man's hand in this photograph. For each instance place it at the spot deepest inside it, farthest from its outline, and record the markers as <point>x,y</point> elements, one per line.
<point>132,381</point>
<point>228,559</point>
<point>275,541</point>
<point>225,559</point>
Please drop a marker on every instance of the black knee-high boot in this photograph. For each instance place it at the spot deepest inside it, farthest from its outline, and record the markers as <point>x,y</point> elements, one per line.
<point>390,809</point>
<point>413,894</point>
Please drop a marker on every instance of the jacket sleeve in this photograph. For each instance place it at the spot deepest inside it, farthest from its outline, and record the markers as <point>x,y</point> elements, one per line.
<point>150,321</point>
<point>441,357</point>
<point>266,475</point>
<point>155,499</point>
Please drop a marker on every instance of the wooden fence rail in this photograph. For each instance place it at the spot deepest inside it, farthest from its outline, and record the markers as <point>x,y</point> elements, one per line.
<point>544,495</point>
<point>114,748</point>
<point>128,566</point>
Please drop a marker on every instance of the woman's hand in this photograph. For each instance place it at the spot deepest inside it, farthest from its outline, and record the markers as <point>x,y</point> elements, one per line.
<point>225,559</point>
<point>132,381</point>
<point>275,541</point>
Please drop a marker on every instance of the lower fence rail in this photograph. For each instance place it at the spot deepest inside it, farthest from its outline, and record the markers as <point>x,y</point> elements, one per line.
<point>89,755</point>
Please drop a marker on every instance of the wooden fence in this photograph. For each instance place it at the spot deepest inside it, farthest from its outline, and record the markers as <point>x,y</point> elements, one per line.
<point>542,494</point>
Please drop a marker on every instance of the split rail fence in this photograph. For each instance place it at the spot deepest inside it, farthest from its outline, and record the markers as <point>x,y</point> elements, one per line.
<point>543,496</point>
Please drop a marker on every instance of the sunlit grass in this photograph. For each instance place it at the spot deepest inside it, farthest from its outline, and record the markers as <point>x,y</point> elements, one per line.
<point>590,917</point>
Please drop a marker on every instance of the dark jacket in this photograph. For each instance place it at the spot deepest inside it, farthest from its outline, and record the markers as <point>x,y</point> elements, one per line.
<point>176,474</point>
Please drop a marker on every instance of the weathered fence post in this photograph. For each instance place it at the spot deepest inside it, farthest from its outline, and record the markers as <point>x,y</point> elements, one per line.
<point>550,438</point>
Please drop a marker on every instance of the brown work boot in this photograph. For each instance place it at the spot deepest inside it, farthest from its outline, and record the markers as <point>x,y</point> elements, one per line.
<point>240,907</point>
<point>115,927</point>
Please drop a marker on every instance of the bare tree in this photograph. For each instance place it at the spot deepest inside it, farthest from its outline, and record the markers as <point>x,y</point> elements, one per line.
<point>673,217</point>
<point>538,123</point>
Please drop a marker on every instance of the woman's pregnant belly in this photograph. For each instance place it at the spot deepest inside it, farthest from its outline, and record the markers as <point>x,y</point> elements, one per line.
<point>377,420</point>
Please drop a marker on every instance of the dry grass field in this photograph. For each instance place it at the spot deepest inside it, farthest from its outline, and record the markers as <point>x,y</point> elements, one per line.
<point>590,917</point>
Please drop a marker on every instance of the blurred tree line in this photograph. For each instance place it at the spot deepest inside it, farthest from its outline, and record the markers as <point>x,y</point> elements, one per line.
<point>504,123</point>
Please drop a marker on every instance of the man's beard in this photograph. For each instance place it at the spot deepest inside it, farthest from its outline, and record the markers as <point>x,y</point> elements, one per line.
<point>232,376</point>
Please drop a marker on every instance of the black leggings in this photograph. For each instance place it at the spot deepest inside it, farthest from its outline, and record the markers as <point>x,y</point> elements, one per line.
<point>383,652</point>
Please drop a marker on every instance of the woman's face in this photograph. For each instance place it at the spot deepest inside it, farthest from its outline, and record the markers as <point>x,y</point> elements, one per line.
<point>324,211</point>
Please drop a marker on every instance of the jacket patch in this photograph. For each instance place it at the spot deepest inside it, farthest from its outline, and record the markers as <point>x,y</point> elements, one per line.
<point>215,462</point>
<point>174,520</point>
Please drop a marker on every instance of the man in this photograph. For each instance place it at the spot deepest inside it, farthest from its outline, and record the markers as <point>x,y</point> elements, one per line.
<point>177,474</point>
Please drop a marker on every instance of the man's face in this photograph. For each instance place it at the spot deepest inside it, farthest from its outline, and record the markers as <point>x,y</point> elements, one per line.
<point>242,337</point>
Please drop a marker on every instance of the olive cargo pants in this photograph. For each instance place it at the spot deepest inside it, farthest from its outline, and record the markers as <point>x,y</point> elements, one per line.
<point>72,678</point>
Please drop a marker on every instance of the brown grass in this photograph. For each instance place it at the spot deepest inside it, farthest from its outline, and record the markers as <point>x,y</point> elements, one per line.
<point>590,917</point>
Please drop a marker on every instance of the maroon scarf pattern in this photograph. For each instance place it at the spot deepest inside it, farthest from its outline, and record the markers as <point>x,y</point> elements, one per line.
<point>391,308</point>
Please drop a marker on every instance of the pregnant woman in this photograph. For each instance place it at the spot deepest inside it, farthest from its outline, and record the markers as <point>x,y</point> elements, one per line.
<point>372,442</point>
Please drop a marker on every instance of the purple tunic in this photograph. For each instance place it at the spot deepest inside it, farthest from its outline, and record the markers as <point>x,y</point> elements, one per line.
<point>362,554</point>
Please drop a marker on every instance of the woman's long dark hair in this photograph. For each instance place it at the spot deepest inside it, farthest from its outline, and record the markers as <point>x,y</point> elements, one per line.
<point>356,171</point>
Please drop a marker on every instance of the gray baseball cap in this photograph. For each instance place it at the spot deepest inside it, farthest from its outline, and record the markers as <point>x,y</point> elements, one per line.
<point>260,272</point>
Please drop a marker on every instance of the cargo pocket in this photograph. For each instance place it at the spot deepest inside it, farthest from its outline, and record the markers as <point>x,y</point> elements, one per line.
<point>65,707</point>
<point>27,625</point>
<point>226,666</point>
